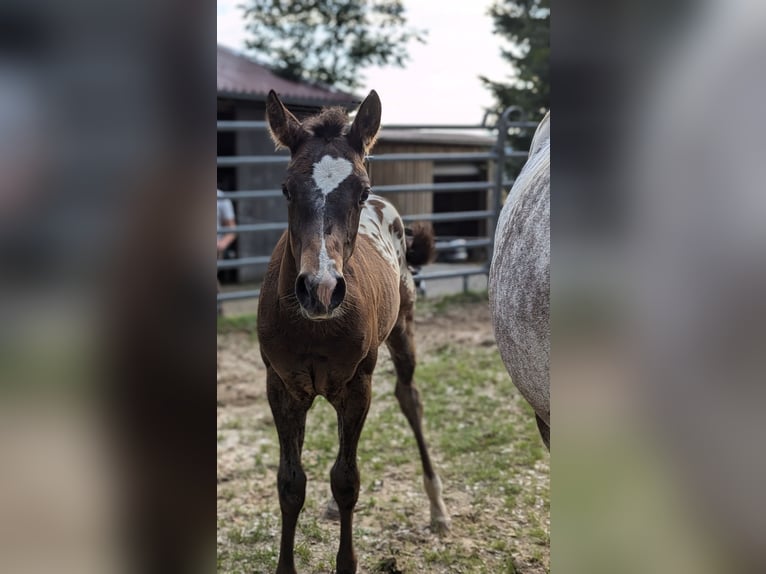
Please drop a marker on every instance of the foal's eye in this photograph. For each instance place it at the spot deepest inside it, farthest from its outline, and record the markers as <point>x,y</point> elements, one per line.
<point>286,192</point>
<point>365,195</point>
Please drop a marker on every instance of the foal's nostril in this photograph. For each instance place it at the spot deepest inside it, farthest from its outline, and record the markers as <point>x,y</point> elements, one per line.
<point>303,290</point>
<point>338,294</point>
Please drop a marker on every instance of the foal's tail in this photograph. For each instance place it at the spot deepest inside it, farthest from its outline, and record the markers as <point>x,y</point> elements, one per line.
<point>421,247</point>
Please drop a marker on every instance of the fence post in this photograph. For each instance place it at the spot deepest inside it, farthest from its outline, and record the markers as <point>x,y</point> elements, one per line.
<point>497,199</point>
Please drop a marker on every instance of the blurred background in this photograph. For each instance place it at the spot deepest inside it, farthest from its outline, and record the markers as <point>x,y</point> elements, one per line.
<point>106,318</point>
<point>107,139</point>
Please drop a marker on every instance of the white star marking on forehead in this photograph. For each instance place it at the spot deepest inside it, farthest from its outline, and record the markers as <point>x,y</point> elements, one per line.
<point>329,172</point>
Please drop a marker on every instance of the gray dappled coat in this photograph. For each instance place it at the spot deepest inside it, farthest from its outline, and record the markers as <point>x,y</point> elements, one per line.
<point>519,280</point>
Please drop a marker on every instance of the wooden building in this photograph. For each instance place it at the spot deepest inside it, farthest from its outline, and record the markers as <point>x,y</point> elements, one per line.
<point>429,172</point>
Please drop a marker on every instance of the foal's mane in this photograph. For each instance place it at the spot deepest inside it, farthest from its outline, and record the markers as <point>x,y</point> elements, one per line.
<point>328,124</point>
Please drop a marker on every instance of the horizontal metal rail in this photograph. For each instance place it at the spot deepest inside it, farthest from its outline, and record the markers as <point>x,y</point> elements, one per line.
<point>464,272</point>
<point>450,274</point>
<point>466,243</point>
<point>442,157</point>
<point>247,227</point>
<point>233,295</point>
<point>229,126</point>
<point>429,127</point>
<point>264,259</point>
<point>446,156</point>
<point>242,262</point>
<point>435,187</point>
<point>450,216</point>
<point>380,189</point>
<point>235,160</point>
<point>232,126</point>
<point>415,127</point>
<point>251,194</point>
<point>232,161</point>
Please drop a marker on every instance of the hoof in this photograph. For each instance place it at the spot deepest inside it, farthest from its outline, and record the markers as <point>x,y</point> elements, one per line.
<point>440,526</point>
<point>331,511</point>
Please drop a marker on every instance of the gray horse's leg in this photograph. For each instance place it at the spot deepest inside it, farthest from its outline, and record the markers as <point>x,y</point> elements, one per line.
<point>290,420</point>
<point>402,347</point>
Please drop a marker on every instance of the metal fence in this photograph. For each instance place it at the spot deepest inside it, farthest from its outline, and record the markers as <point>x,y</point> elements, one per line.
<point>499,155</point>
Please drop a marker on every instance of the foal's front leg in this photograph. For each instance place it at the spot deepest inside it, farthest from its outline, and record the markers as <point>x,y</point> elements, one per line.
<point>351,405</point>
<point>290,419</point>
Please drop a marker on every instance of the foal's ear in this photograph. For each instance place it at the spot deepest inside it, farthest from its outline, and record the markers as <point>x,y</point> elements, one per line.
<point>365,128</point>
<point>286,130</point>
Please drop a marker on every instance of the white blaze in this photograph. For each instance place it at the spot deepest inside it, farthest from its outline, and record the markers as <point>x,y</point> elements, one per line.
<point>329,172</point>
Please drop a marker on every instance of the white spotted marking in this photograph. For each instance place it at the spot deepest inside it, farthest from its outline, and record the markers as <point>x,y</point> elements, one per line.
<point>387,243</point>
<point>329,173</point>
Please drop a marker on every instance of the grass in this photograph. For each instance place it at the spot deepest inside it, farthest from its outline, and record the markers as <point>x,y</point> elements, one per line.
<point>445,302</point>
<point>238,324</point>
<point>485,445</point>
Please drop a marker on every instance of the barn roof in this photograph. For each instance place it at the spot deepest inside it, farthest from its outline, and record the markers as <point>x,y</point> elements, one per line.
<point>240,77</point>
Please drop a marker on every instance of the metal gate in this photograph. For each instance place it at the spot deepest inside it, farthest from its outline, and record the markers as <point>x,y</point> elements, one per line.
<point>496,184</point>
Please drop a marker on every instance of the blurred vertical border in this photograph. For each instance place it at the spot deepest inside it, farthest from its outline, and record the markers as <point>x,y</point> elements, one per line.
<point>658,275</point>
<point>107,301</point>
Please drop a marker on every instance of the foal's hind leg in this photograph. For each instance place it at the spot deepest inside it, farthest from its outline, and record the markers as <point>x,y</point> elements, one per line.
<point>401,344</point>
<point>290,420</point>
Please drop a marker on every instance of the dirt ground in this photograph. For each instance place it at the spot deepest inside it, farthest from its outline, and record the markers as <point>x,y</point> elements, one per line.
<point>392,515</point>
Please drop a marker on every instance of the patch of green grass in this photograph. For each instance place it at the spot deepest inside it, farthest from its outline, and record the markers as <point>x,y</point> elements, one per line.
<point>249,536</point>
<point>509,567</point>
<point>227,493</point>
<point>234,423</point>
<point>253,549</point>
<point>311,530</point>
<point>302,553</point>
<point>444,302</point>
<point>539,535</point>
<point>260,560</point>
<point>238,324</point>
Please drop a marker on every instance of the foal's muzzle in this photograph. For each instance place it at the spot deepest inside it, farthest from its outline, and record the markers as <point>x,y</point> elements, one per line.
<point>320,296</point>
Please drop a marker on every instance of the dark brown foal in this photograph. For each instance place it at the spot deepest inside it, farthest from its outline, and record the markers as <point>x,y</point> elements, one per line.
<point>337,287</point>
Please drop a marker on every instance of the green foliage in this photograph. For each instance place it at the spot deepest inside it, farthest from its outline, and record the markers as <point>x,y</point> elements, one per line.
<point>526,25</point>
<point>328,42</point>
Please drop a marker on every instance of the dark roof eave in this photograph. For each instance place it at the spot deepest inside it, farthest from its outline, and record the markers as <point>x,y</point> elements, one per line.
<point>291,100</point>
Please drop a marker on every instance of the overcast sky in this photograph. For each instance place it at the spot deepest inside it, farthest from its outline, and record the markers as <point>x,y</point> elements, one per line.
<point>440,83</point>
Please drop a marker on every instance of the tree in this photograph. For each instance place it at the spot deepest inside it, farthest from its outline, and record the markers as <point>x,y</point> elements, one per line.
<point>526,24</point>
<point>328,41</point>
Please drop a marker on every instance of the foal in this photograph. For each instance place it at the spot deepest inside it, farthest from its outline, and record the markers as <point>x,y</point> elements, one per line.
<point>338,285</point>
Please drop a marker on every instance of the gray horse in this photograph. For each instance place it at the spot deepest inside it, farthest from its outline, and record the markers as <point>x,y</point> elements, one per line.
<point>519,280</point>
